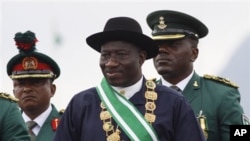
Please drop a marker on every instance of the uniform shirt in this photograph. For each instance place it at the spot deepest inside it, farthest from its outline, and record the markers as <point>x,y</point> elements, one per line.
<point>45,131</point>
<point>39,120</point>
<point>181,85</point>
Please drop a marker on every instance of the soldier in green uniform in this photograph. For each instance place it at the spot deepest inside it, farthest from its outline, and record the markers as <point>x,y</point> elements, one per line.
<point>12,126</point>
<point>215,100</point>
<point>33,76</point>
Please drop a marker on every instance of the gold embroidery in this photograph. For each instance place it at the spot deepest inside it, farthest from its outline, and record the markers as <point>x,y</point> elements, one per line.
<point>220,79</point>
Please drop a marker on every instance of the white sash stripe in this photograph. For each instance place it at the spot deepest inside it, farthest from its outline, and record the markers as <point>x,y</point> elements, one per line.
<point>116,114</point>
<point>139,117</point>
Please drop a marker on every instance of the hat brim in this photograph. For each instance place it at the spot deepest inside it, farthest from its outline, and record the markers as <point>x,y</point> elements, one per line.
<point>95,41</point>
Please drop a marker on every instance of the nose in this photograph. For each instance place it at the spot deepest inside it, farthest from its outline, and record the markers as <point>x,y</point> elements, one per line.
<point>26,88</point>
<point>112,61</point>
<point>163,49</point>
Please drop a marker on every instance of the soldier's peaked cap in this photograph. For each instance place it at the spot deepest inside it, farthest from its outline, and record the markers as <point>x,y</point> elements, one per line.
<point>168,24</point>
<point>29,63</point>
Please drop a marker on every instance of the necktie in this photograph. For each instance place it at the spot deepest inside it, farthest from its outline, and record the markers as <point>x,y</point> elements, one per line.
<point>31,125</point>
<point>175,88</point>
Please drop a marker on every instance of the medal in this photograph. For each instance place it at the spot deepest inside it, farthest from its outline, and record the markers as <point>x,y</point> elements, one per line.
<point>107,126</point>
<point>203,123</point>
<point>151,95</point>
<point>114,136</point>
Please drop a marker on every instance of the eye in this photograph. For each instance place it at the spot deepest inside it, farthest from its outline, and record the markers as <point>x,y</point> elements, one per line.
<point>122,54</point>
<point>105,55</point>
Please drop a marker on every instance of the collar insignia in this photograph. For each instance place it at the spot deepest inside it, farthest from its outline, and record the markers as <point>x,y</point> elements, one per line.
<point>195,84</point>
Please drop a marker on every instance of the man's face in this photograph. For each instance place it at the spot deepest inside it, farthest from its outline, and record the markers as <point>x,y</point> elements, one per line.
<point>121,63</point>
<point>176,57</point>
<point>33,93</point>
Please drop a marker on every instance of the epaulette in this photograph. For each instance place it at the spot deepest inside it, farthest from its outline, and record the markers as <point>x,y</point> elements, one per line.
<point>8,96</point>
<point>61,111</point>
<point>220,79</point>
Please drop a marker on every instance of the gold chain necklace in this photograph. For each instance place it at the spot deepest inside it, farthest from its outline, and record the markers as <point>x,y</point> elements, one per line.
<point>150,96</point>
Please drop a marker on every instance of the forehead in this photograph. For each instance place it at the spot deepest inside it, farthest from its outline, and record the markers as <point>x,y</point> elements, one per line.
<point>118,45</point>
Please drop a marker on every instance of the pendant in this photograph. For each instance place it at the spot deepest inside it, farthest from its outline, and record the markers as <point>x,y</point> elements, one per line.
<point>114,136</point>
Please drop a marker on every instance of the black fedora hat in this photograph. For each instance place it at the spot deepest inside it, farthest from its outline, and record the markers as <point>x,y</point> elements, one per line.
<point>125,29</point>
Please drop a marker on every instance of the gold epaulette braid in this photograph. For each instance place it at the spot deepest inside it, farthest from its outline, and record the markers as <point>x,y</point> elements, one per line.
<point>222,80</point>
<point>8,96</point>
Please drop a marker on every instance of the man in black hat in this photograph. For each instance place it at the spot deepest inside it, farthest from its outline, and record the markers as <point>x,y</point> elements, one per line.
<point>215,100</point>
<point>126,106</point>
<point>12,126</point>
<point>33,74</point>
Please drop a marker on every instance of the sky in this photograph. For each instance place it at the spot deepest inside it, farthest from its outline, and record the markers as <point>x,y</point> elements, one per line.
<point>62,26</point>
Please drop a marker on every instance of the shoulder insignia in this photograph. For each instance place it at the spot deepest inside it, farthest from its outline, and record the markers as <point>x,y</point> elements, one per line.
<point>61,111</point>
<point>8,96</point>
<point>222,80</point>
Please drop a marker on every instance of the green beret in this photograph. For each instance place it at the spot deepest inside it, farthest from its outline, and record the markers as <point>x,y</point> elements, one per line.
<point>167,24</point>
<point>29,63</point>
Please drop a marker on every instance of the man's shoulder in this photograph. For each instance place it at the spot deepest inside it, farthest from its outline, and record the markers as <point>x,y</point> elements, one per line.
<point>8,97</point>
<point>219,80</point>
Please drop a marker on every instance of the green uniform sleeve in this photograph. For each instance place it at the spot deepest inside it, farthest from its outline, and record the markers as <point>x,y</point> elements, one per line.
<point>12,126</point>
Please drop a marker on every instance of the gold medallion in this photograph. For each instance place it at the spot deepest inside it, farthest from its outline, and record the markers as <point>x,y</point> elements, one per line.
<point>151,95</point>
<point>105,115</point>
<point>107,126</point>
<point>150,117</point>
<point>114,137</point>
<point>150,106</point>
<point>150,84</point>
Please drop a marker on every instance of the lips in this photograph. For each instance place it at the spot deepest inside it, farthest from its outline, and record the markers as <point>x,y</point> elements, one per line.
<point>112,74</point>
<point>163,61</point>
<point>28,98</point>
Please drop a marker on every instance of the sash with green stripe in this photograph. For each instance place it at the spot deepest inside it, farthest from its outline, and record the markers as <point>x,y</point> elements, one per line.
<point>125,114</point>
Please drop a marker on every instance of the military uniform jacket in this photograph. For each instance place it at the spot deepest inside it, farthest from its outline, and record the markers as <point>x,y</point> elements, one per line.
<point>219,102</point>
<point>12,126</point>
<point>46,132</point>
<point>175,120</point>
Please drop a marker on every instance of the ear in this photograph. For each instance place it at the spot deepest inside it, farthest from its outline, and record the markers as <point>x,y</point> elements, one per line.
<point>195,52</point>
<point>143,55</point>
<point>53,89</point>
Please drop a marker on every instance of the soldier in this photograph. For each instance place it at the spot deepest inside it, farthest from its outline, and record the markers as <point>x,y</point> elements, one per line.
<point>126,106</point>
<point>33,76</point>
<point>12,126</point>
<point>215,100</point>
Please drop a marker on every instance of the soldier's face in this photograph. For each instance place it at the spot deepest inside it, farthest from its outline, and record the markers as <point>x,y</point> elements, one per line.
<point>33,93</point>
<point>121,63</point>
<point>175,57</point>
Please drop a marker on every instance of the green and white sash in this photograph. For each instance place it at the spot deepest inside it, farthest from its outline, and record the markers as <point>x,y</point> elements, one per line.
<point>125,114</point>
